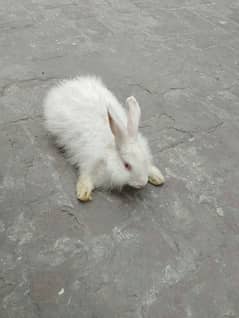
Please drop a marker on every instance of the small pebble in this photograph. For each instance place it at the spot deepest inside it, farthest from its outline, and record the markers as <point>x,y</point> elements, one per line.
<point>61,292</point>
<point>220,211</point>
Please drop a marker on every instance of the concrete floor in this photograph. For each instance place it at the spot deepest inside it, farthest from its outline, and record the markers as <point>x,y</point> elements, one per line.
<point>169,252</point>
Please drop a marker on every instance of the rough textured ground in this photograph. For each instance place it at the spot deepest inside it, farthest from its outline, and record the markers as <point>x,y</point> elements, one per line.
<point>169,252</point>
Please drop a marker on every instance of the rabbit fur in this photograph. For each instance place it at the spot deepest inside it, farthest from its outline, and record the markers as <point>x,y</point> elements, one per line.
<point>100,137</point>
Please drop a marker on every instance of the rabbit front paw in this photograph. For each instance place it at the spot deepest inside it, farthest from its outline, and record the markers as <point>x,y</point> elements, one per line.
<point>84,189</point>
<point>155,176</point>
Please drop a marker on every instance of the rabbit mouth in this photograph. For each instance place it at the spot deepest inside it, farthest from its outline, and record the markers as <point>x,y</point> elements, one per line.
<point>137,185</point>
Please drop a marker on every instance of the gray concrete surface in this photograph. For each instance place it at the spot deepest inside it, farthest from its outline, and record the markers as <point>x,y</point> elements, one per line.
<point>169,252</point>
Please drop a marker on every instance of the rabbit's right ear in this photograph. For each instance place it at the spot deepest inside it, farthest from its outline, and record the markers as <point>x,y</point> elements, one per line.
<point>133,116</point>
<point>117,128</point>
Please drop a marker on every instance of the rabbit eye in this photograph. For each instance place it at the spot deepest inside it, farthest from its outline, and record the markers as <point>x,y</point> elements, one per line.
<point>127,166</point>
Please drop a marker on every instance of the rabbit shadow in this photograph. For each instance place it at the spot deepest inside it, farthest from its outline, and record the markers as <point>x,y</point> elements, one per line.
<point>128,194</point>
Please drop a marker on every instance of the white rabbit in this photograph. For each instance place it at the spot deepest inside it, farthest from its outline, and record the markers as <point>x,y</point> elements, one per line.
<point>100,138</point>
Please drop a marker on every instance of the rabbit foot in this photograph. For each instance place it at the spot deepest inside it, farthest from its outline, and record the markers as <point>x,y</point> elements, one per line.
<point>84,189</point>
<point>131,100</point>
<point>155,176</point>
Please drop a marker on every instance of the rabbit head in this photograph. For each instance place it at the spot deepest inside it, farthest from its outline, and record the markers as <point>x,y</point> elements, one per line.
<point>133,152</point>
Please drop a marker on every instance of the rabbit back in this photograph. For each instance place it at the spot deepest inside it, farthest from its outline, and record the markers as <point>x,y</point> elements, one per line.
<point>76,114</point>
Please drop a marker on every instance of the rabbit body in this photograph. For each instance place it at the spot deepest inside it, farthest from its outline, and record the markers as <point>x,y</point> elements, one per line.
<point>99,136</point>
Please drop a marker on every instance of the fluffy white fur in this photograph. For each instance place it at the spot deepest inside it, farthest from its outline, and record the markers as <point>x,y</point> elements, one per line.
<point>99,135</point>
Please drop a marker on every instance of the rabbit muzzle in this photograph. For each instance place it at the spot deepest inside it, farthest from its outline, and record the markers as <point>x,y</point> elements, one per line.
<point>138,185</point>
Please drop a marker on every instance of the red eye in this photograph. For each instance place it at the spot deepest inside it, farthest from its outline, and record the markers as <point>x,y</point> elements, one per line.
<point>127,166</point>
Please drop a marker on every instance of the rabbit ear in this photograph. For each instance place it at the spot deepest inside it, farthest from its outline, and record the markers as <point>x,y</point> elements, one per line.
<point>117,128</point>
<point>133,116</point>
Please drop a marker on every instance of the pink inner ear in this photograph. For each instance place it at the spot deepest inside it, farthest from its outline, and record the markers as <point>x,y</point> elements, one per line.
<point>111,123</point>
<point>117,128</point>
<point>132,130</point>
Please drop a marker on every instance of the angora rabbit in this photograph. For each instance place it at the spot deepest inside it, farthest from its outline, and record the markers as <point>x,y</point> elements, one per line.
<point>100,137</point>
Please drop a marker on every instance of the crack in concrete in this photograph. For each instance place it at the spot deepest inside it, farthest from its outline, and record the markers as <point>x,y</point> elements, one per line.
<point>40,197</point>
<point>18,121</point>
<point>150,91</point>
<point>47,58</point>
<point>68,210</point>
<point>22,119</point>
<point>16,82</point>
<point>16,27</point>
<point>174,145</point>
<point>215,127</point>
<point>147,90</point>
<point>156,116</point>
<point>66,5</point>
<point>184,131</point>
<point>190,133</point>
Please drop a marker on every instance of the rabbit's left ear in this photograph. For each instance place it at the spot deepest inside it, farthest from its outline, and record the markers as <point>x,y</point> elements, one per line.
<point>117,128</point>
<point>133,116</point>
